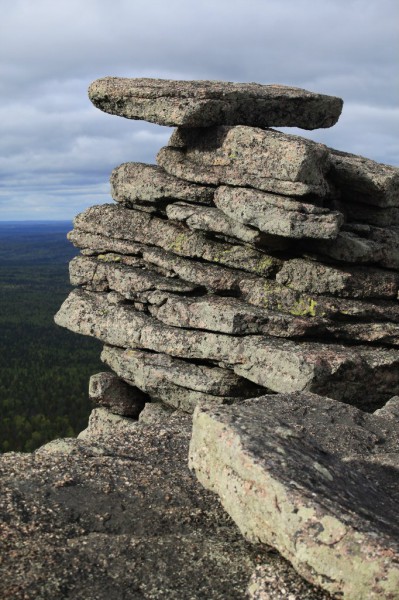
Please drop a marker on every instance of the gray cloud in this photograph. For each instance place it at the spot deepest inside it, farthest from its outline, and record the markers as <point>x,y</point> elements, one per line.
<point>57,151</point>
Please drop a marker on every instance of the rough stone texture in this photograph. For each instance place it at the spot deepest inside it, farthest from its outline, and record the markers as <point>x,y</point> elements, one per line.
<point>133,183</point>
<point>246,156</point>
<point>175,382</point>
<point>120,516</point>
<point>359,375</point>
<point>108,390</point>
<point>212,220</point>
<point>278,469</point>
<point>228,315</point>
<point>317,278</point>
<point>205,103</point>
<point>102,423</point>
<point>278,215</point>
<point>364,180</point>
<point>128,281</point>
<point>103,243</point>
<point>115,221</point>
<point>274,296</point>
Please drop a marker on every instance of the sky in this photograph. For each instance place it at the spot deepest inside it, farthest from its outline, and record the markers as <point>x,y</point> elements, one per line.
<point>57,150</point>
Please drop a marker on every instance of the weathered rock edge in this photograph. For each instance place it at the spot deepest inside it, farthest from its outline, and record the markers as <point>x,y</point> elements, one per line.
<point>337,528</point>
<point>206,103</point>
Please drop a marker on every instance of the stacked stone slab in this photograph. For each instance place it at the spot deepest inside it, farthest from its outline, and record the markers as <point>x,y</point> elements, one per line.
<point>248,261</point>
<point>256,269</point>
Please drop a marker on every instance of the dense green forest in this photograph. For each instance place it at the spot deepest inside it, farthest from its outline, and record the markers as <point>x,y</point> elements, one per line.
<point>44,369</point>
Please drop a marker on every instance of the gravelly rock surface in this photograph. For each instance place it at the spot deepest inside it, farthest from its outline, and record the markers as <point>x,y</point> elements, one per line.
<point>119,515</point>
<point>205,103</point>
<point>277,465</point>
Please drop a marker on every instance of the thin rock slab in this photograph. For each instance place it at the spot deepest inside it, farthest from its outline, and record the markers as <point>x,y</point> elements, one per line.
<point>134,183</point>
<point>230,315</point>
<point>109,391</point>
<point>205,103</point>
<point>271,295</point>
<point>128,281</point>
<point>267,160</point>
<point>176,382</point>
<point>363,180</point>
<point>283,483</point>
<point>352,282</point>
<point>233,316</point>
<point>278,215</point>
<point>364,376</point>
<point>213,220</point>
<point>118,222</point>
<point>98,243</point>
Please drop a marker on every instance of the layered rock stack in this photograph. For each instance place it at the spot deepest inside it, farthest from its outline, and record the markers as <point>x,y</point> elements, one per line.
<point>248,261</point>
<point>258,270</point>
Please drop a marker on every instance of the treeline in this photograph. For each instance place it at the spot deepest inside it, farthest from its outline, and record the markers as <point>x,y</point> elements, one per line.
<point>44,369</point>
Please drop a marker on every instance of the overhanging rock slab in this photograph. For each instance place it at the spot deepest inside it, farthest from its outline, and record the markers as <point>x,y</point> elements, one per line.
<point>205,103</point>
<point>278,467</point>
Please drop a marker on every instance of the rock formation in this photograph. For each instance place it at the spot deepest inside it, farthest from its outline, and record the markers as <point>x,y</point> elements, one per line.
<point>252,277</point>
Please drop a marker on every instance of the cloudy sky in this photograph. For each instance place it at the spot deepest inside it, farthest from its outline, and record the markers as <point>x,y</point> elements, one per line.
<point>57,150</point>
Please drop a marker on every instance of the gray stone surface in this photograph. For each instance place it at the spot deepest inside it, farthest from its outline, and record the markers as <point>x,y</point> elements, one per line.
<point>229,315</point>
<point>363,180</point>
<point>353,282</point>
<point>275,296</point>
<point>278,215</point>
<point>98,243</point>
<point>267,160</point>
<point>205,103</point>
<point>233,316</point>
<point>176,382</point>
<point>359,375</point>
<point>115,221</point>
<point>277,465</point>
<point>102,423</point>
<point>120,516</point>
<point>134,183</point>
<point>106,389</point>
<point>213,220</point>
<point>100,275</point>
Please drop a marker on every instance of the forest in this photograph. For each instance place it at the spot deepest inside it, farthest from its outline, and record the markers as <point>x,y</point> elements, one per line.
<point>44,369</point>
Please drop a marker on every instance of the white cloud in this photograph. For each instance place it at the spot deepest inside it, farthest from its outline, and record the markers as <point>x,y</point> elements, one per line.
<point>56,149</point>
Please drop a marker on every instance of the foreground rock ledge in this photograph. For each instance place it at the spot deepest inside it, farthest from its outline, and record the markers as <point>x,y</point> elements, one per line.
<point>277,476</point>
<point>206,103</point>
<point>117,515</point>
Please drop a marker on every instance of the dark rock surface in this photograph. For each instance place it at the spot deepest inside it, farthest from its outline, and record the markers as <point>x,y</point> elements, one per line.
<point>205,103</point>
<point>106,389</point>
<point>364,180</point>
<point>284,470</point>
<point>119,515</point>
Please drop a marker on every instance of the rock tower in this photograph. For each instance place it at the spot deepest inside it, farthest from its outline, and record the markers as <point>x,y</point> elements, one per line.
<point>252,276</point>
